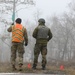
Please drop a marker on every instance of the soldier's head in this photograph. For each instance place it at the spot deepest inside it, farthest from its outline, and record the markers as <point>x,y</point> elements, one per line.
<point>41,20</point>
<point>18,20</point>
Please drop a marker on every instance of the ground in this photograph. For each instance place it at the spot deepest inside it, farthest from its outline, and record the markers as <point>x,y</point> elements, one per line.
<point>6,68</point>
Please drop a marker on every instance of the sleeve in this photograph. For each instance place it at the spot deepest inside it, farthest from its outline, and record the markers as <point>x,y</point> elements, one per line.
<point>9,29</point>
<point>50,35</point>
<point>35,33</point>
<point>25,36</point>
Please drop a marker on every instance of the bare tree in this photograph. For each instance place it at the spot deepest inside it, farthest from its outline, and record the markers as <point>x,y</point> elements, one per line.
<point>37,15</point>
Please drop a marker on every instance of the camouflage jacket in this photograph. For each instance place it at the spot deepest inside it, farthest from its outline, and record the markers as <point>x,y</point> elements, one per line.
<point>41,40</point>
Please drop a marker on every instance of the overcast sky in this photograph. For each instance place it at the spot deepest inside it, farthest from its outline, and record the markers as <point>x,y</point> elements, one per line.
<point>52,6</point>
<point>46,7</point>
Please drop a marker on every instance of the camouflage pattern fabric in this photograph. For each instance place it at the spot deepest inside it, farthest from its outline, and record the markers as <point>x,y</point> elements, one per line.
<point>40,48</point>
<point>41,42</point>
<point>17,47</point>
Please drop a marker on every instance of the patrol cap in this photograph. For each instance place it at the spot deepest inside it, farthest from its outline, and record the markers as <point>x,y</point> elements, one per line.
<point>41,20</point>
<point>18,20</point>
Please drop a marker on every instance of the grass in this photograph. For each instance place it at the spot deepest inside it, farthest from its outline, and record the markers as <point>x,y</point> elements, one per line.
<point>6,68</point>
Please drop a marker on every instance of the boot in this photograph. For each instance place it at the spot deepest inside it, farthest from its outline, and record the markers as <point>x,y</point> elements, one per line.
<point>20,67</point>
<point>43,67</point>
<point>34,66</point>
<point>13,68</point>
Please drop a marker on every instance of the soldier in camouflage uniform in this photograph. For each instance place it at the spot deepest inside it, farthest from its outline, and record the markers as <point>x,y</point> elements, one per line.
<point>19,37</point>
<point>42,34</point>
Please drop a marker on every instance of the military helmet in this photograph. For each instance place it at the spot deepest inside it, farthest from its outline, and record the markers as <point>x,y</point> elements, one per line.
<point>41,20</point>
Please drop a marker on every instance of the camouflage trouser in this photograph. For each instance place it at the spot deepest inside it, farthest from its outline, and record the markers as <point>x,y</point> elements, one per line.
<point>17,47</point>
<point>37,49</point>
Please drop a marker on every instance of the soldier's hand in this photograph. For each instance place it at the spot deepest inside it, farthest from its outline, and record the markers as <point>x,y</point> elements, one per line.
<point>12,24</point>
<point>26,44</point>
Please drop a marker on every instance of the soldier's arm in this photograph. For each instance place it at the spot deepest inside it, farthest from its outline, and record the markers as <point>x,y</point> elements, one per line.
<point>35,33</point>
<point>50,35</point>
<point>9,29</point>
<point>25,36</point>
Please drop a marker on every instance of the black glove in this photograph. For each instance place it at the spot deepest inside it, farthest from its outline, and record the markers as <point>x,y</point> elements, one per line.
<point>26,44</point>
<point>12,24</point>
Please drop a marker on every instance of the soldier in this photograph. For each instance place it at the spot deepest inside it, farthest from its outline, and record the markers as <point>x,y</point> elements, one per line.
<point>19,37</point>
<point>42,34</point>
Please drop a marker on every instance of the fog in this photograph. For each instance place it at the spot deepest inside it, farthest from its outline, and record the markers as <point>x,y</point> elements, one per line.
<point>60,47</point>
